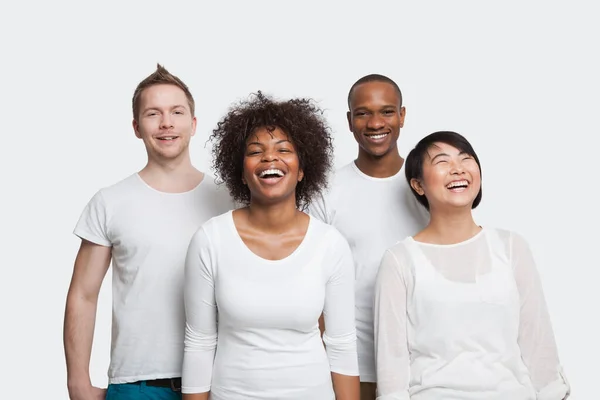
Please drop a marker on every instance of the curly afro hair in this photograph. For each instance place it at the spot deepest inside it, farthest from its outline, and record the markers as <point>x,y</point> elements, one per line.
<point>303,123</point>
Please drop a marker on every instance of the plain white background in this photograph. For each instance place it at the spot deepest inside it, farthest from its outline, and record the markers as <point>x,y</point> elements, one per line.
<point>518,79</point>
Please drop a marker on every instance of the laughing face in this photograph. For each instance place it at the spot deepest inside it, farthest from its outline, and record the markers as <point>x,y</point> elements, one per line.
<point>165,122</point>
<point>271,167</point>
<point>375,117</point>
<point>451,178</point>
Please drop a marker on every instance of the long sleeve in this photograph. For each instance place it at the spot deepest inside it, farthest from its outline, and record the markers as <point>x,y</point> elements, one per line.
<point>391,342</point>
<point>536,337</point>
<point>201,317</point>
<point>340,325</point>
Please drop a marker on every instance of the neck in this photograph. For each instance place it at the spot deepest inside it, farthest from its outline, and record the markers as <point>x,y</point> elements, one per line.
<point>379,167</point>
<point>274,218</point>
<point>451,226</point>
<point>174,175</point>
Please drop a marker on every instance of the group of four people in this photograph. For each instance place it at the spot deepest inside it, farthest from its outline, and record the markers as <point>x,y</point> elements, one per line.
<point>287,280</point>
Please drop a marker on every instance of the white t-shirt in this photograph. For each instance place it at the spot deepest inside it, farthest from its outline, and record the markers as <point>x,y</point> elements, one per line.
<point>266,343</point>
<point>149,232</point>
<point>464,321</point>
<point>372,214</point>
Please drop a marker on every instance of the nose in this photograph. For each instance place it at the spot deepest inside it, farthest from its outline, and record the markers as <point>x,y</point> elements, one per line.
<point>166,122</point>
<point>456,167</point>
<point>269,156</point>
<point>375,122</point>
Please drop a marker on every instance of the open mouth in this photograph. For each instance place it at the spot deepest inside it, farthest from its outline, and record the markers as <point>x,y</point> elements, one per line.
<point>167,138</point>
<point>272,174</point>
<point>458,186</point>
<point>376,136</point>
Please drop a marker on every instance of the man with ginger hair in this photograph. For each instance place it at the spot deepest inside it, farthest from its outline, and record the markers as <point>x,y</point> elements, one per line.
<point>143,225</point>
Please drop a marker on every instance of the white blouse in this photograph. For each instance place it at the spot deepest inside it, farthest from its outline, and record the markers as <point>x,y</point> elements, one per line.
<point>266,343</point>
<point>464,321</point>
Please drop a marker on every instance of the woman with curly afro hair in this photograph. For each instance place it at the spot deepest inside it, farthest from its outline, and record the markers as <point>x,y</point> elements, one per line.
<point>269,270</point>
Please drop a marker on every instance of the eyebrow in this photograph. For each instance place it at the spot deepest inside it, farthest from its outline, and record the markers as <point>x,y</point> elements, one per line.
<point>447,155</point>
<point>359,108</point>
<point>261,144</point>
<point>158,109</point>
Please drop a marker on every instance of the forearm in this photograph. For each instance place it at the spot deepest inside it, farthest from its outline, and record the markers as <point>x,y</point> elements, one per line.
<point>80,316</point>
<point>195,396</point>
<point>346,387</point>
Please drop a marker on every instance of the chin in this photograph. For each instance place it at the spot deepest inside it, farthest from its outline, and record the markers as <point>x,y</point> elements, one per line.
<point>271,198</point>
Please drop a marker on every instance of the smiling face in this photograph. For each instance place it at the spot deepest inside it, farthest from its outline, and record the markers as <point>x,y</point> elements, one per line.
<point>165,122</point>
<point>375,117</point>
<point>450,178</point>
<point>271,167</point>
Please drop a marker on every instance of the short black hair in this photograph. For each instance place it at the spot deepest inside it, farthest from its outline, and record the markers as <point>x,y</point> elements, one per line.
<point>374,78</point>
<point>300,119</point>
<point>413,167</point>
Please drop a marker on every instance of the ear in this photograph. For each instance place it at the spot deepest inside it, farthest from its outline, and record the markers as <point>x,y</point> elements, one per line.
<point>402,115</point>
<point>194,122</point>
<point>136,130</point>
<point>417,187</point>
<point>300,175</point>
<point>244,180</point>
<point>349,117</point>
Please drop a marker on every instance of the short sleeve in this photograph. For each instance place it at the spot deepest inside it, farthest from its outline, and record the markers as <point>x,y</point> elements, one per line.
<point>93,222</point>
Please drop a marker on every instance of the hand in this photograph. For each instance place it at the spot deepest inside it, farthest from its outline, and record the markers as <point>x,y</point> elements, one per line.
<point>87,393</point>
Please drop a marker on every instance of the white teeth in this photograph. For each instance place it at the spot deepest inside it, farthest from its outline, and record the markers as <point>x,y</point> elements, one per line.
<point>168,138</point>
<point>457,183</point>
<point>277,172</point>
<point>378,136</point>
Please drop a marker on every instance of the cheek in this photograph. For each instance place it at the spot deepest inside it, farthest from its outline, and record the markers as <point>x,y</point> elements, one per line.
<point>476,174</point>
<point>434,177</point>
<point>357,125</point>
<point>246,166</point>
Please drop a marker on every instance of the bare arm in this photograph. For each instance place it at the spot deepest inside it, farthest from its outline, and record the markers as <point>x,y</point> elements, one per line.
<point>195,396</point>
<point>346,387</point>
<point>91,264</point>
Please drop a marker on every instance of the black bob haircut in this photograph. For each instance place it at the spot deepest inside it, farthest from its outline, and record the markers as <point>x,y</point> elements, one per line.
<point>413,168</point>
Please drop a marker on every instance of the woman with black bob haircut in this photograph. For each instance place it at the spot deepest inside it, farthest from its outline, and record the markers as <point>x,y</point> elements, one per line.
<point>459,308</point>
<point>269,270</point>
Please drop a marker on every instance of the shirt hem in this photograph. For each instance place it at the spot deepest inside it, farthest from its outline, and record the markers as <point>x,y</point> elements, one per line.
<point>91,238</point>
<point>194,390</point>
<point>129,379</point>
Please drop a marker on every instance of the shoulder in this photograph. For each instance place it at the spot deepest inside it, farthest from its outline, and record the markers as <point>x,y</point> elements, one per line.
<point>400,252</point>
<point>121,189</point>
<point>508,238</point>
<point>107,195</point>
<point>324,232</point>
<point>210,186</point>
<point>342,175</point>
<point>338,183</point>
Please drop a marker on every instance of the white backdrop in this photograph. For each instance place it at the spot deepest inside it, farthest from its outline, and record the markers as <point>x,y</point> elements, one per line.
<point>518,79</point>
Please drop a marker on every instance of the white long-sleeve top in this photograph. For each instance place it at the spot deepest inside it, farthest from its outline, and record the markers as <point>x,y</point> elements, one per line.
<point>466,321</point>
<point>265,343</point>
